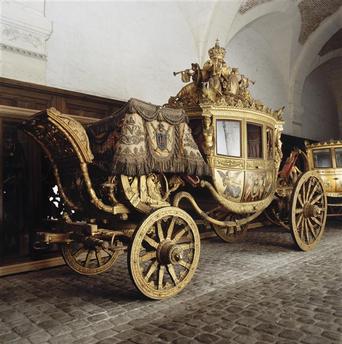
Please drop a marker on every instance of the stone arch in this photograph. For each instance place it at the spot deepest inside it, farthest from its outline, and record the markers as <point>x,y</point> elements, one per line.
<point>255,13</point>
<point>307,60</point>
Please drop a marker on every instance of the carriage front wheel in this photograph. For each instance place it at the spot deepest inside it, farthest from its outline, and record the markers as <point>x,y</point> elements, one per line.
<point>164,253</point>
<point>308,209</point>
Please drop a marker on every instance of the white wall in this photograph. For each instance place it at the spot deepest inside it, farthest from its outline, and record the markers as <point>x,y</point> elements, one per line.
<point>118,49</point>
<point>320,116</point>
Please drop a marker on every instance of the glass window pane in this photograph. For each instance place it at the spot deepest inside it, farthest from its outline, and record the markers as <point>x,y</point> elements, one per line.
<point>338,152</point>
<point>228,137</point>
<point>322,158</point>
<point>254,141</point>
<point>269,137</point>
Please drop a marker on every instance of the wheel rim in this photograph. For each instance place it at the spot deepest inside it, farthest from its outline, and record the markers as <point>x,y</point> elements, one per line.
<point>164,253</point>
<point>88,260</point>
<point>308,211</point>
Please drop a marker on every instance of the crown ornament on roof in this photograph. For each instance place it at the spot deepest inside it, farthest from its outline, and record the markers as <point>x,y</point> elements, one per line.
<point>217,84</point>
<point>216,51</point>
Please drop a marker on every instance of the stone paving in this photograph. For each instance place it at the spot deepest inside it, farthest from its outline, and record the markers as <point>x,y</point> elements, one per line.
<point>261,290</point>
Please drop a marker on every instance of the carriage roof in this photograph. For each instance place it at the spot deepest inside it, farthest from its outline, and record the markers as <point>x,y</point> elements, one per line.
<point>325,144</point>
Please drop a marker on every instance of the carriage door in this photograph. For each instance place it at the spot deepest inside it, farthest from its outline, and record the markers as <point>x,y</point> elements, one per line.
<point>338,173</point>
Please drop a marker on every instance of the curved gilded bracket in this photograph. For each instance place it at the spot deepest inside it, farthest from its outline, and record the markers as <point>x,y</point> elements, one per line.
<point>66,199</point>
<point>238,208</point>
<point>204,215</point>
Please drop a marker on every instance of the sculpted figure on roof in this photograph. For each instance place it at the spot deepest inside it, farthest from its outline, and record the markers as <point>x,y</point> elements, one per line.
<point>216,83</point>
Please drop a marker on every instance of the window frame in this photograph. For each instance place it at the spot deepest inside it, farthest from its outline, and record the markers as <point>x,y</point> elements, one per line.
<point>314,162</point>
<point>241,135</point>
<point>262,141</point>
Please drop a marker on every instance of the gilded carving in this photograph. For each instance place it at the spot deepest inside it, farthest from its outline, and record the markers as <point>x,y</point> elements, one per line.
<point>208,134</point>
<point>218,84</point>
<point>227,163</point>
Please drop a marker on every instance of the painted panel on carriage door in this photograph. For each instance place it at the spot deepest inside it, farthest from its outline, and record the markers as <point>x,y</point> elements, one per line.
<point>258,185</point>
<point>229,184</point>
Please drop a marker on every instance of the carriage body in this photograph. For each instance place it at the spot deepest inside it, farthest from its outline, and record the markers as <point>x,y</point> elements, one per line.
<point>243,150</point>
<point>325,158</point>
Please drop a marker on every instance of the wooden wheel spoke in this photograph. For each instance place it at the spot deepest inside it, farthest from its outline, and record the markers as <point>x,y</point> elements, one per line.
<point>108,252</point>
<point>170,229</point>
<point>184,264</point>
<point>172,273</point>
<point>311,189</point>
<point>160,231</point>
<point>78,252</point>
<point>98,258</point>
<point>312,230</point>
<point>161,276</point>
<point>180,233</point>
<point>87,260</point>
<point>299,211</point>
<point>148,256</point>
<point>304,192</point>
<point>314,219</point>
<point>151,241</point>
<point>300,200</point>
<point>312,193</point>
<point>151,270</point>
<point>300,221</point>
<point>306,231</point>
<point>186,246</point>
<point>316,199</point>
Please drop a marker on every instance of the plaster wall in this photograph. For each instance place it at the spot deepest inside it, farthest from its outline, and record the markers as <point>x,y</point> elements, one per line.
<point>320,114</point>
<point>119,49</point>
<point>262,60</point>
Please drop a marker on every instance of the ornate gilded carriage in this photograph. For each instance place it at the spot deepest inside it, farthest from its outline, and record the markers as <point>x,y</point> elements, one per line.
<point>124,179</point>
<point>325,158</point>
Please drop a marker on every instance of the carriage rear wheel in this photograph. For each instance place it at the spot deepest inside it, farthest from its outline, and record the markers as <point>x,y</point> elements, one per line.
<point>88,259</point>
<point>308,211</point>
<point>164,253</point>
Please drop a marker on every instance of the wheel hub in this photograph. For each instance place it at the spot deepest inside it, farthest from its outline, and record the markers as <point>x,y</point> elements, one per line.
<point>168,253</point>
<point>311,210</point>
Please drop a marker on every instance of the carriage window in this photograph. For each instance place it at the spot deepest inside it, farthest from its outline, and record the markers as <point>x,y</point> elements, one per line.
<point>269,138</point>
<point>322,158</point>
<point>228,138</point>
<point>254,140</point>
<point>338,152</point>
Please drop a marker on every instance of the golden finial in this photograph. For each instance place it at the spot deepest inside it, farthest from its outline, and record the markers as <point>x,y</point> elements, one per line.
<point>217,51</point>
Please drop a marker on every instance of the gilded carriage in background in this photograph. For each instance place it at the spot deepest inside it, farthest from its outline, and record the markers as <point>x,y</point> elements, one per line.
<point>139,179</point>
<point>326,159</point>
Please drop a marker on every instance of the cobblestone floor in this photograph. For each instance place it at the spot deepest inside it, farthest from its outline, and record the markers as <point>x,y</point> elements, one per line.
<point>258,291</point>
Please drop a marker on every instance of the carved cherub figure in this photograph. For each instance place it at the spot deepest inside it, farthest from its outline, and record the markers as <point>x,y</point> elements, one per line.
<point>233,82</point>
<point>208,134</point>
